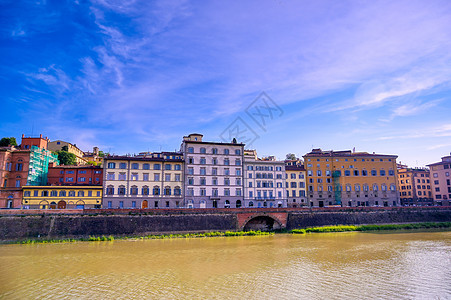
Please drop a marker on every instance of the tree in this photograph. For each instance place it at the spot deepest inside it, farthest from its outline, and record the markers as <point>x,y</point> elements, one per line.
<point>66,158</point>
<point>65,148</point>
<point>8,141</point>
<point>291,156</point>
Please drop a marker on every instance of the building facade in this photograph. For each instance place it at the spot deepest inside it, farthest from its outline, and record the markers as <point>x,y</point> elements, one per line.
<point>213,173</point>
<point>345,178</point>
<point>441,181</point>
<point>21,166</point>
<point>264,181</point>
<point>149,181</point>
<point>414,187</point>
<point>62,197</point>
<point>75,175</point>
<point>296,186</point>
<point>58,146</point>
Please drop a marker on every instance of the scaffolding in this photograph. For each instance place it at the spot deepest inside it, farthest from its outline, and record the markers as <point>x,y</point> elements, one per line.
<point>39,165</point>
<point>337,187</point>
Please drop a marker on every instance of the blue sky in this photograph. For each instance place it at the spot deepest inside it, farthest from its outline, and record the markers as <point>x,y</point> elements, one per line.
<point>132,76</point>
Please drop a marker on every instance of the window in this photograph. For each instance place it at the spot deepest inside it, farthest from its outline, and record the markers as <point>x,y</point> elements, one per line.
<point>177,191</point>
<point>214,151</point>
<point>237,152</point>
<point>167,167</point>
<point>62,193</point>
<point>71,193</point>
<point>145,190</point>
<point>177,167</point>
<point>190,150</point>
<point>373,173</point>
<point>110,204</point>
<point>122,166</point>
<point>121,204</point>
<point>190,180</point>
<point>364,173</point>
<point>238,172</point>
<point>238,192</point>
<point>122,176</point>
<point>226,172</point>
<point>238,181</point>
<point>133,204</point>
<point>18,183</point>
<point>156,177</point>
<point>167,177</point>
<point>226,161</point>
<point>382,172</point>
<point>134,190</point>
<point>226,151</point>
<point>177,177</point>
<point>26,194</point>
<point>156,191</point>
<point>111,165</point>
<point>391,172</point>
<point>237,162</point>
<point>146,166</point>
<point>19,167</point>
<point>203,161</point>
<point>167,191</point>
<point>203,150</point>
<point>226,192</point>
<point>121,190</point>
<point>82,179</point>
<point>203,171</point>
<point>347,173</point>
<point>135,166</point>
<point>214,161</point>
<point>203,192</point>
<point>203,181</point>
<point>226,181</point>
<point>157,167</point>
<point>110,176</point>
<point>146,177</point>
<point>319,173</point>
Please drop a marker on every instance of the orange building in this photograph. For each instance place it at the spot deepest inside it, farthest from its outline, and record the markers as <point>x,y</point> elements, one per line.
<point>414,187</point>
<point>345,178</point>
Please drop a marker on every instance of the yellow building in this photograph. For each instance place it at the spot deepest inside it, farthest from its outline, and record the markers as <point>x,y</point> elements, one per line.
<point>62,197</point>
<point>345,178</point>
<point>58,146</point>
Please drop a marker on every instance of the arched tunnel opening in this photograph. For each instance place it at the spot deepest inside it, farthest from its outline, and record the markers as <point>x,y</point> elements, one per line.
<point>262,223</point>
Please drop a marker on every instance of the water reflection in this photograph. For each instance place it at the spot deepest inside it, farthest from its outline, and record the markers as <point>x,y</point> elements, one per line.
<point>313,266</point>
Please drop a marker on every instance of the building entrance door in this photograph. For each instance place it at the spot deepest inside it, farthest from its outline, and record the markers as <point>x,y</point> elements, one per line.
<point>62,204</point>
<point>145,204</point>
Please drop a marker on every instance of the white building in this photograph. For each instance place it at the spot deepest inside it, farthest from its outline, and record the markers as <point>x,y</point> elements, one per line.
<point>264,183</point>
<point>213,173</point>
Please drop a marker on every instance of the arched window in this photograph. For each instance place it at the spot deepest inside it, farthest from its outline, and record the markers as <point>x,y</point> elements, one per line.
<point>384,187</point>
<point>375,187</point>
<point>357,187</point>
<point>227,204</point>
<point>203,150</point>
<point>251,204</point>
<point>348,188</point>
<point>156,190</point>
<point>238,203</point>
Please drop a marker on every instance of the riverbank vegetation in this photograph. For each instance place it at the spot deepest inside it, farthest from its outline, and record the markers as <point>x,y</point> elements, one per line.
<point>375,227</point>
<point>153,237</point>
<point>337,228</point>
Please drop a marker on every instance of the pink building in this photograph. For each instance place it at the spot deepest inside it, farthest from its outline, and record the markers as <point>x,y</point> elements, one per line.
<point>441,181</point>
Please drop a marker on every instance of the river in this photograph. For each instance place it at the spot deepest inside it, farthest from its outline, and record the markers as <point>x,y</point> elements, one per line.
<point>350,265</point>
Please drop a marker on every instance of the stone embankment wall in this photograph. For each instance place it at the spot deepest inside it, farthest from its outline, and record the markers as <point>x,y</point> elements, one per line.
<point>26,224</point>
<point>392,216</point>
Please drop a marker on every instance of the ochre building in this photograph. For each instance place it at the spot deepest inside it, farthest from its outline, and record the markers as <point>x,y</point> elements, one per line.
<point>62,197</point>
<point>346,178</point>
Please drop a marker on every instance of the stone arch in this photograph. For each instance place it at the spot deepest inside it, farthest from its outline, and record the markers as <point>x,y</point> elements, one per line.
<point>262,222</point>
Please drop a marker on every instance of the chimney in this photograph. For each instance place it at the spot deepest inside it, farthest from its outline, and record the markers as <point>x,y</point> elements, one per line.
<point>40,136</point>
<point>23,135</point>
